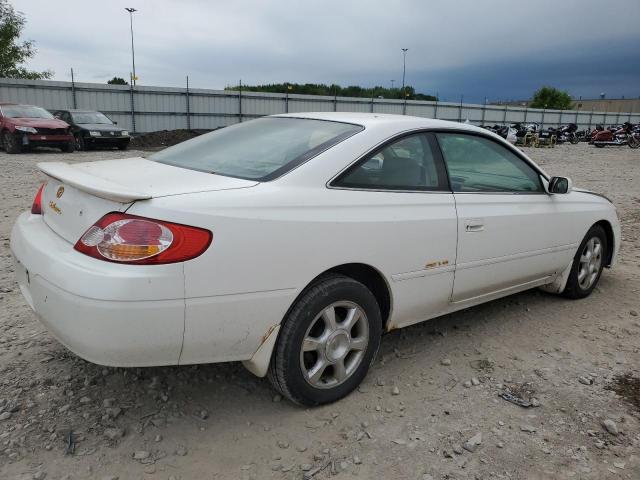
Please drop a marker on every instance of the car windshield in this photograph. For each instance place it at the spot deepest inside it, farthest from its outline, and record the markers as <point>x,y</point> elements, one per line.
<point>260,149</point>
<point>24,111</point>
<point>91,117</point>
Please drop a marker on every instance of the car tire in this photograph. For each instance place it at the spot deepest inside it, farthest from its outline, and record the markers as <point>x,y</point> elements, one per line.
<point>123,145</point>
<point>588,263</point>
<point>69,147</point>
<point>11,143</point>
<point>327,341</point>
<point>81,145</point>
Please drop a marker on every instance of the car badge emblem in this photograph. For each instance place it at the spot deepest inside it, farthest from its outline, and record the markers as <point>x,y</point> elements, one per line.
<point>54,207</point>
<point>59,192</point>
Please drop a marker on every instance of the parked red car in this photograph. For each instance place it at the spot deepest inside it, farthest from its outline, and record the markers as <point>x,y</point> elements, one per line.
<point>25,126</point>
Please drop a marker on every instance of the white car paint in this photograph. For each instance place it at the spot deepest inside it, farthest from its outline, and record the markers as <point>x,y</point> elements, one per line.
<point>437,252</point>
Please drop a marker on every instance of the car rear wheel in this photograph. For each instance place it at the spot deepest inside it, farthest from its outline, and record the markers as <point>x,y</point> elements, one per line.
<point>327,342</point>
<point>588,263</point>
<point>11,143</point>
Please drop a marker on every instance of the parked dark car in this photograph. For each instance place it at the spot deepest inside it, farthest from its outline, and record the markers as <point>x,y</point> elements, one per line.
<point>25,126</point>
<point>94,129</point>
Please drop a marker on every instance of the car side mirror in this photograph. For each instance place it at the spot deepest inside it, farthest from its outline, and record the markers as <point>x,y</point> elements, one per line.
<point>559,185</point>
<point>115,123</point>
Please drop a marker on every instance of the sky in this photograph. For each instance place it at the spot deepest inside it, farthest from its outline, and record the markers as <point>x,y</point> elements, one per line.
<point>492,48</point>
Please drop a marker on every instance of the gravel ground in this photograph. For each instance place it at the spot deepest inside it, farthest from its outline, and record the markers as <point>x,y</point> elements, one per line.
<point>429,408</point>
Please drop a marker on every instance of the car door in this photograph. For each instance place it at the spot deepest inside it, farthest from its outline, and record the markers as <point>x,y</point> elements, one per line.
<point>407,222</point>
<point>511,233</point>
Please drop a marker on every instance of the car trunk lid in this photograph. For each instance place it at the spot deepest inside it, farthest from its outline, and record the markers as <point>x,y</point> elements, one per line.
<point>77,195</point>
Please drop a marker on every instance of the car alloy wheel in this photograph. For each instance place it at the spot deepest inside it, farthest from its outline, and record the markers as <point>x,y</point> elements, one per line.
<point>334,345</point>
<point>590,262</point>
<point>327,341</point>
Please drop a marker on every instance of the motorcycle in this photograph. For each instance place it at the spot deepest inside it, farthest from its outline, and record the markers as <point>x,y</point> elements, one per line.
<point>506,132</point>
<point>525,135</point>
<point>566,134</point>
<point>584,135</point>
<point>624,135</point>
<point>592,134</point>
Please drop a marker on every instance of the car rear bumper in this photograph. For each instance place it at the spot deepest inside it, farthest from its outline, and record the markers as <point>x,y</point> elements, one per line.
<point>135,315</point>
<point>110,314</point>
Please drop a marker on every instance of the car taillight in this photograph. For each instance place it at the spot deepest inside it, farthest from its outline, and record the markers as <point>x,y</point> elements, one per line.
<point>122,238</point>
<point>36,206</point>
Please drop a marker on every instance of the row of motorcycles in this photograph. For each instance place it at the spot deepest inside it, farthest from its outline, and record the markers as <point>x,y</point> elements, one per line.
<point>534,136</point>
<point>625,134</point>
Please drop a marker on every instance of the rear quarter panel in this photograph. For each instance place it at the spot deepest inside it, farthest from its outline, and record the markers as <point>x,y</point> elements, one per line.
<point>270,241</point>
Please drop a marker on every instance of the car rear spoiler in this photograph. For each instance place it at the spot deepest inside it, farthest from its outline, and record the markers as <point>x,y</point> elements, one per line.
<point>92,184</point>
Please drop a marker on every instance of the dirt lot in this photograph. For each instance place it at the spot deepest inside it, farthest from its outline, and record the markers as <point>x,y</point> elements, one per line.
<point>434,386</point>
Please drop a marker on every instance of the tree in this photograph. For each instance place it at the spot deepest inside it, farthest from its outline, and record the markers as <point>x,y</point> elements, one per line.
<point>118,81</point>
<point>331,90</point>
<point>13,53</point>
<point>549,97</point>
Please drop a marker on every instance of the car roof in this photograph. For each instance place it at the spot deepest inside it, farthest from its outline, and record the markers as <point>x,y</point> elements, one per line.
<point>381,119</point>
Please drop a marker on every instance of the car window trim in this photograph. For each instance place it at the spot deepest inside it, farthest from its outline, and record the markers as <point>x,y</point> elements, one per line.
<point>437,157</point>
<point>508,146</point>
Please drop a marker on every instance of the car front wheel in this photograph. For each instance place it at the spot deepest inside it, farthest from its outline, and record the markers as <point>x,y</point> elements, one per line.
<point>11,143</point>
<point>69,147</point>
<point>327,342</point>
<point>80,143</point>
<point>588,263</point>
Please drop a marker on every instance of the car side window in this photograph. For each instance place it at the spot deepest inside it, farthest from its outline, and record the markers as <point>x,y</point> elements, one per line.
<point>479,164</point>
<point>408,163</point>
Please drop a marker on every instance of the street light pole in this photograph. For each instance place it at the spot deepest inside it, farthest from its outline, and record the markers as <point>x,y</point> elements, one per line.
<point>404,68</point>
<point>133,52</point>
<point>392,82</point>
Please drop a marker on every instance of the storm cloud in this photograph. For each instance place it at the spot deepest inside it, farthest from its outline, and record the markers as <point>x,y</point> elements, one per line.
<point>496,49</point>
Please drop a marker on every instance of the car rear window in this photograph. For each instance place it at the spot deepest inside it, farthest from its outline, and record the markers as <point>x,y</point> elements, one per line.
<point>261,149</point>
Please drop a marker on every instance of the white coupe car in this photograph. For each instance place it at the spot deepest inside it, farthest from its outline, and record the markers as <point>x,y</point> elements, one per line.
<point>292,242</point>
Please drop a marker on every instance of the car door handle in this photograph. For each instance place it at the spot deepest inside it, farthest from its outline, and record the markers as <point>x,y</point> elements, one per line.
<point>474,226</point>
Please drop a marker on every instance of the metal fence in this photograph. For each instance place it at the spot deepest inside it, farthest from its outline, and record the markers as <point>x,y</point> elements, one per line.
<point>146,109</point>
